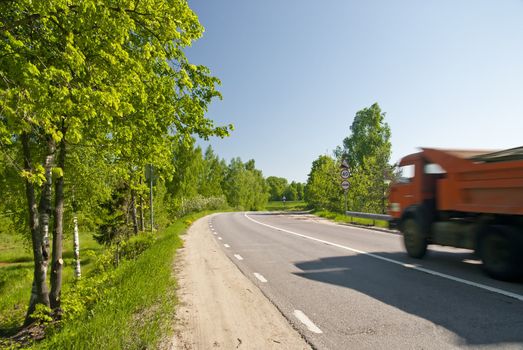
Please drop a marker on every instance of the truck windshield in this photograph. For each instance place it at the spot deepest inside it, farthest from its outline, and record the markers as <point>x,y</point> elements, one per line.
<point>433,168</point>
<point>406,173</point>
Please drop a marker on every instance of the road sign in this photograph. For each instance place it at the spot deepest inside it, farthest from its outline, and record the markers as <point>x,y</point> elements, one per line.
<point>345,185</point>
<point>345,173</point>
<point>344,164</point>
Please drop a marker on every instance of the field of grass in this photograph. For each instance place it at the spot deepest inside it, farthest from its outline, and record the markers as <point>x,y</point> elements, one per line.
<point>337,217</point>
<point>290,205</point>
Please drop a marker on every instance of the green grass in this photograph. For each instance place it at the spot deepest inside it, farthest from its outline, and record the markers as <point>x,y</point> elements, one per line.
<point>291,205</point>
<point>137,312</point>
<point>16,275</point>
<point>16,271</point>
<point>15,284</point>
<point>14,249</point>
<point>337,217</point>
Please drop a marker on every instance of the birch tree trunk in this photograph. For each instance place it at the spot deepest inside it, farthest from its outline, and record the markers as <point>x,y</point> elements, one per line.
<point>76,248</point>
<point>57,261</point>
<point>39,290</point>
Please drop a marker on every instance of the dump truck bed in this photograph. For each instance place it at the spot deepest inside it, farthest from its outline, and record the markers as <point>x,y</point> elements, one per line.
<point>479,182</point>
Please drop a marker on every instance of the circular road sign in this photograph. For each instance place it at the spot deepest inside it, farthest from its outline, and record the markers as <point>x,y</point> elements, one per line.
<point>345,173</point>
<point>345,185</point>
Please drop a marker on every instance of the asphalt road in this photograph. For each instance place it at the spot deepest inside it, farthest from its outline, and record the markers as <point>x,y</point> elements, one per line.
<point>351,288</point>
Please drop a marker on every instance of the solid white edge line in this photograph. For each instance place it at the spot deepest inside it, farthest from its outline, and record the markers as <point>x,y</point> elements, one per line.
<point>238,256</point>
<point>260,277</point>
<point>226,245</point>
<point>307,322</point>
<point>408,266</point>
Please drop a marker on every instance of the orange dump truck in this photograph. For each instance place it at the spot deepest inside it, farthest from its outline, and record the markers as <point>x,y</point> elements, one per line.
<point>464,199</point>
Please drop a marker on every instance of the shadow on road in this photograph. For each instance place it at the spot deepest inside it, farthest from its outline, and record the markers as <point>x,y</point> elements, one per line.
<point>477,316</point>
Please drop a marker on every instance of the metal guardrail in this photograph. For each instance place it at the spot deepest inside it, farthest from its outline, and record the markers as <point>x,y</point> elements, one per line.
<point>356,214</point>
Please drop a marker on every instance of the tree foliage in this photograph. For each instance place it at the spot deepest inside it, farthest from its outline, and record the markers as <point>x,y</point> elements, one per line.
<point>367,152</point>
<point>369,138</point>
<point>323,189</point>
<point>244,185</point>
<point>111,76</point>
<point>277,187</point>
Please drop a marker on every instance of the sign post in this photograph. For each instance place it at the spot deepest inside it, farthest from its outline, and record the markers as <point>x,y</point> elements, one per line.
<point>345,184</point>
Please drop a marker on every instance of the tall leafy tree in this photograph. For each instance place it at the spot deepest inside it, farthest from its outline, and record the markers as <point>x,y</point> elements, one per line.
<point>245,186</point>
<point>300,189</point>
<point>277,187</point>
<point>212,175</point>
<point>369,138</point>
<point>323,189</point>
<point>367,150</point>
<point>294,191</point>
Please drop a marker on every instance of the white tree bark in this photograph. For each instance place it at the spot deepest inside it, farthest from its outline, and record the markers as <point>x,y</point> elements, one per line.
<point>76,248</point>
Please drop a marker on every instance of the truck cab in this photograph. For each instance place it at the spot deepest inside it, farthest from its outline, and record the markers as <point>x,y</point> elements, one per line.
<point>415,187</point>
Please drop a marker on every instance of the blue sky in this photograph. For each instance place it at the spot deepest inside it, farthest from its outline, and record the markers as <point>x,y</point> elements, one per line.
<point>295,72</point>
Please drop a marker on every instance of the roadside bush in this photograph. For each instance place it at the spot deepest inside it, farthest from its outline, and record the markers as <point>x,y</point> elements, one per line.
<point>136,245</point>
<point>88,291</point>
<point>201,203</point>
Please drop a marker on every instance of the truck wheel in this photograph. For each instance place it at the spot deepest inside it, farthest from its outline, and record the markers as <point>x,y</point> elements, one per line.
<point>500,250</point>
<point>414,240</point>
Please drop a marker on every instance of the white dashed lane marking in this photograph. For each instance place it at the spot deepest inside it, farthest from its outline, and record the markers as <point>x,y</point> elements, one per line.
<point>307,322</point>
<point>226,245</point>
<point>260,277</point>
<point>238,256</point>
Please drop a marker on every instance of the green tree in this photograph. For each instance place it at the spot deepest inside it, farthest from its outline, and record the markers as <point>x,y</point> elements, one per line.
<point>244,186</point>
<point>369,138</point>
<point>291,191</point>
<point>300,189</point>
<point>212,175</point>
<point>277,187</point>
<point>323,190</point>
<point>367,150</point>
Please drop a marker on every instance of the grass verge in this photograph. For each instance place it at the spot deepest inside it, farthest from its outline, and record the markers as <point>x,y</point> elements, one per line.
<point>138,303</point>
<point>337,217</point>
<point>281,206</point>
<point>124,307</point>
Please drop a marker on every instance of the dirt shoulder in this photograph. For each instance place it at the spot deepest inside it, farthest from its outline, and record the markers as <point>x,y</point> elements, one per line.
<point>220,307</point>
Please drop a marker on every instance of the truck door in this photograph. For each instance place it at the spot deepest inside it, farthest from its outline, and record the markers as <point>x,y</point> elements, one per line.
<point>404,193</point>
